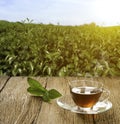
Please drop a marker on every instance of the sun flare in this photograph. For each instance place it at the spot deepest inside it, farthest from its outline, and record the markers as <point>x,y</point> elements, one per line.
<point>108,11</point>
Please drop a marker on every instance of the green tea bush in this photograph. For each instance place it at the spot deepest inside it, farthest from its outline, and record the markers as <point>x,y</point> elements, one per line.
<point>55,50</point>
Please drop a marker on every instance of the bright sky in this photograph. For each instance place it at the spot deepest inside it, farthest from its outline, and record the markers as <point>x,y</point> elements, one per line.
<point>65,12</point>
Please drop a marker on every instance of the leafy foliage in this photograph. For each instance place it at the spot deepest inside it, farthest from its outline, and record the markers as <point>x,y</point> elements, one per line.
<point>55,50</point>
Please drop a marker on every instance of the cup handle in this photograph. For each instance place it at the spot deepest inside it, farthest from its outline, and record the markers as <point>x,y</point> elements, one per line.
<point>105,95</point>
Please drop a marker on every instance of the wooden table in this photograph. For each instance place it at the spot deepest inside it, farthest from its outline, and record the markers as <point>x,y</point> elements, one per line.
<point>17,106</point>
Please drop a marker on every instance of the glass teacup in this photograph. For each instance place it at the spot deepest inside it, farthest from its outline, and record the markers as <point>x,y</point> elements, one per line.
<point>86,93</point>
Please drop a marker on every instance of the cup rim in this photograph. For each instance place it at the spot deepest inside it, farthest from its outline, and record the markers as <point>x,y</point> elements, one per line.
<point>72,81</point>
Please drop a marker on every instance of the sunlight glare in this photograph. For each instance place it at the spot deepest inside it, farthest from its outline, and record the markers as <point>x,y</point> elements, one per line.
<point>108,11</point>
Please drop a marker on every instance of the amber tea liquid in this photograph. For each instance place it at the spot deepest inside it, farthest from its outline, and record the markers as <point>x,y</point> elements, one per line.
<point>85,96</point>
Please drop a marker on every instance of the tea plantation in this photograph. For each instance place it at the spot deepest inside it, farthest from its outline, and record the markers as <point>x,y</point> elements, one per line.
<point>28,49</point>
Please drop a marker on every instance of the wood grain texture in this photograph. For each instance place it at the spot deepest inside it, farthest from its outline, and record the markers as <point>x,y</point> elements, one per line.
<point>17,106</point>
<point>52,113</point>
<point>3,81</point>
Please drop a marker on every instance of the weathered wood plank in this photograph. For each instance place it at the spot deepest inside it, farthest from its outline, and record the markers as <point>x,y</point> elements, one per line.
<point>3,81</point>
<point>51,113</point>
<point>16,105</point>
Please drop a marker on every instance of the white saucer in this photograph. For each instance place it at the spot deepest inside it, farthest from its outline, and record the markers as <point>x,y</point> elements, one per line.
<point>67,103</point>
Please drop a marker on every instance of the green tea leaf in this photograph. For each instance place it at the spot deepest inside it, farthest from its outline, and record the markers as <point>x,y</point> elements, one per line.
<point>34,83</point>
<point>36,91</point>
<point>46,97</point>
<point>54,94</point>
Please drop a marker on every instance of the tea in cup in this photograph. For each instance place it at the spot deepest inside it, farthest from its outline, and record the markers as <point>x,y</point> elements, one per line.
<point>86,93</point>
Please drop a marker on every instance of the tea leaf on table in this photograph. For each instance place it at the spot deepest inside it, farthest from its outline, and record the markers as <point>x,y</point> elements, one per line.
<point>46,97</point>
<point>34,83</point>
<point>54,94</point>
<point>37,89</point>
